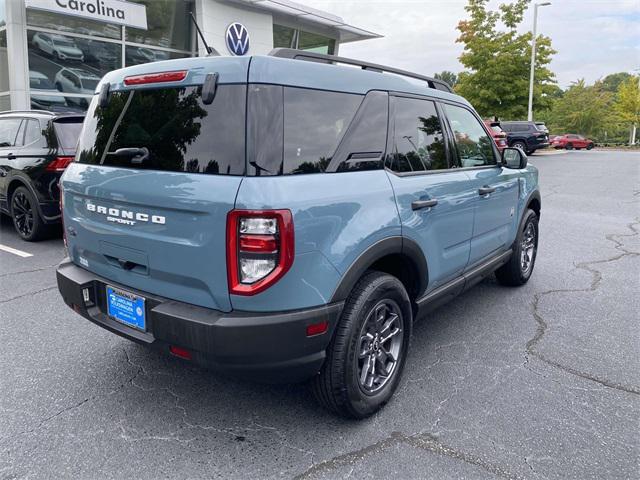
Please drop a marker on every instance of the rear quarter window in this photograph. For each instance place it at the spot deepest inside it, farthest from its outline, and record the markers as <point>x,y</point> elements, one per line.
<point>314,123</point>
<point>180,133</point>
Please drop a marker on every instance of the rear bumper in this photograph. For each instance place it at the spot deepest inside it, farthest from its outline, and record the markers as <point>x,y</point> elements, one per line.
<point>269,347</point>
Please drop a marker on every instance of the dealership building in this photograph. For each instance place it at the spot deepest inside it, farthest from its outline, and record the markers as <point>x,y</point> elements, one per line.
<point>53,52</point>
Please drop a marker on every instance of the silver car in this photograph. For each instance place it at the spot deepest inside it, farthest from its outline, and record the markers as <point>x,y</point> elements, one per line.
<point>59,47</point>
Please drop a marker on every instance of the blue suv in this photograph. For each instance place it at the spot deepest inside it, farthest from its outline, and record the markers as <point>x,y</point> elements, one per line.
<point>287,217</point>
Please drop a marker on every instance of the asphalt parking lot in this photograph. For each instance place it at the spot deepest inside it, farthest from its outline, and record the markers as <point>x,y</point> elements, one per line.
<point>541,381</point>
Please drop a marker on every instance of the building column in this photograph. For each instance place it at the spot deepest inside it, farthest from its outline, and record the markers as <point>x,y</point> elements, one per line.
<point>17,54</point>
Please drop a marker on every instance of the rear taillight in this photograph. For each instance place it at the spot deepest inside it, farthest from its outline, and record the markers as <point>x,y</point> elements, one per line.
<point>58,164</point>
<point>260,249</point>
<point>160,77</point>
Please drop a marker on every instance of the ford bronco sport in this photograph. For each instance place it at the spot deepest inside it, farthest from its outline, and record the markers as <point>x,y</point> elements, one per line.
<point>285,219</point>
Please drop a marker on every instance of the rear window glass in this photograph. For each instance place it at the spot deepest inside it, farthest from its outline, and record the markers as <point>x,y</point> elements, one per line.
<point>68,133</point>
<point>314,123</point>
<point>171,128</point>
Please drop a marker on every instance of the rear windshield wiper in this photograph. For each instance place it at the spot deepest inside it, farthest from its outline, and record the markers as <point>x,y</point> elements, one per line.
<point>137,155</point>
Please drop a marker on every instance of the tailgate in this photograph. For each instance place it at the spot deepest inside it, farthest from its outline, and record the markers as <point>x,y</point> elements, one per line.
<point>157,232</point>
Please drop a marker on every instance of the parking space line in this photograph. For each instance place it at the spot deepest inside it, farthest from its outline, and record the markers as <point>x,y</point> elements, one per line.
<point>15,251</point>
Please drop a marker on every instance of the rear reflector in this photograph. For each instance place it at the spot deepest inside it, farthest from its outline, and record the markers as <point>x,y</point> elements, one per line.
<point>180,352</point>
<point>161,77</point>
<point>317,328</point>
<point>58,164</point>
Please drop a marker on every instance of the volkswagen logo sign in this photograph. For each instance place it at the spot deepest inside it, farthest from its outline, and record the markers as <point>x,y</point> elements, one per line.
<point>237,39</point>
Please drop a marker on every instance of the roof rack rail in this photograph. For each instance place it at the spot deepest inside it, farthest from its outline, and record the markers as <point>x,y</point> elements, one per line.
<point>323,58</point>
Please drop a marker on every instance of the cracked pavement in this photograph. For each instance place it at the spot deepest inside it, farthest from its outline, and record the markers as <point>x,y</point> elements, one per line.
<point>538,382</point>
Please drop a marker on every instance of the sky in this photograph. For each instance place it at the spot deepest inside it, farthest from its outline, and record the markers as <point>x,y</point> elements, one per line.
<point>592,37</point>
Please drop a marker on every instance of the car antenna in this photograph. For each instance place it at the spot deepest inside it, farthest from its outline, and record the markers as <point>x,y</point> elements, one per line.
<point>210,50</point>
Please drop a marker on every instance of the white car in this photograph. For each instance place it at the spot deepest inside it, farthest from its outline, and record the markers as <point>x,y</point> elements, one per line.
<point>77,80</point>
<point>40,86</point>
<point>62,48</point>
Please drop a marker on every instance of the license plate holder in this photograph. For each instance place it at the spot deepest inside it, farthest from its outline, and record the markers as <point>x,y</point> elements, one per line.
<point>126,308</point>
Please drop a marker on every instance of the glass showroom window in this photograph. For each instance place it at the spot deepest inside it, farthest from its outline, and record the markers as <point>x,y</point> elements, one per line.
<point>316,43</point>
<point>168,25</point>
<point>4,65</point>
<point>69,55</point>
<point>288,37</point>
<point>70,65</point>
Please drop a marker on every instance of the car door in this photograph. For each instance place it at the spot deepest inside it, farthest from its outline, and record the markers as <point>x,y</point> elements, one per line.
<point>435,198</point>
<point>9,132</point>
<point>495,188</point>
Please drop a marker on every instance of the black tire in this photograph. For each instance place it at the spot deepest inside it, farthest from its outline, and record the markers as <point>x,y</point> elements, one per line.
<point>590,146</point>
<point>513,273</point>
<point>569,146</point>
<point>25,216</point>
<point>339,386</point>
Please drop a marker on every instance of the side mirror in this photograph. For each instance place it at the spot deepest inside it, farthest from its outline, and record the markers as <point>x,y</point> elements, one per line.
<point>514,158</point>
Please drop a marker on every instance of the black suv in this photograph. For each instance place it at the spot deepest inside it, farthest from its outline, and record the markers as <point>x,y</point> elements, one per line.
<point>527,136</point>
<point>35,148</point>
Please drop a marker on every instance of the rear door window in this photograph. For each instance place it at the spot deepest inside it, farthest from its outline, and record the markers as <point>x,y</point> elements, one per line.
<point>314,123</point>
<point>33,134</point>
<point>171,128</point>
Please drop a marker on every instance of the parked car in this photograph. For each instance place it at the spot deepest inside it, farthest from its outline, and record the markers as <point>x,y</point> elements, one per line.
<point>138,55</point>
<point>499,135</point>
<point>41,92</point>
<point>35,148</point>
<point>59,47</point>
<point>203,219</point>
<point>77,80</point>
<point>527,136</point>
<point>571,141</point>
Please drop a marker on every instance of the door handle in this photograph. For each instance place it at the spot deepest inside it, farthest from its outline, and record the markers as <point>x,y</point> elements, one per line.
<point>11,156</point>
<point>486,190</point>
<point>420,204</point>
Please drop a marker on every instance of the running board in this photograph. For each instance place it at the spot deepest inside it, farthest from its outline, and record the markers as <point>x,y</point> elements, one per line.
<point>455,287</point>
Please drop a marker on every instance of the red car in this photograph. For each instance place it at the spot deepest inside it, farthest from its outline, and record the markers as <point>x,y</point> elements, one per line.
<point>571,141</point>
<point>499,135</point>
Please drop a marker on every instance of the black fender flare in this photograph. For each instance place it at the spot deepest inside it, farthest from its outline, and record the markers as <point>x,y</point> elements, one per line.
<point>534,195</point>
<point>382,248</point>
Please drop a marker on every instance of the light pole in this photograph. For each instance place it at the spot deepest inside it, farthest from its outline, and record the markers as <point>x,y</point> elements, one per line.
<point>533,57</point>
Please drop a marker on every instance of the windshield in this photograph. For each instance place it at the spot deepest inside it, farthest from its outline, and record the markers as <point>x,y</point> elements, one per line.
<point>496,129</point>
<point>182,134</point>
<point>41,83</point>
<point>61,42</point>
<point>89,83</point>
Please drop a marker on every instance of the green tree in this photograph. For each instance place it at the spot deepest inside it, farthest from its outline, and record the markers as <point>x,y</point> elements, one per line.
<point>611,82</point>
<point>583,109</point>
<point>498,60</point>
<point>446,76</point>
<point>627,103</point>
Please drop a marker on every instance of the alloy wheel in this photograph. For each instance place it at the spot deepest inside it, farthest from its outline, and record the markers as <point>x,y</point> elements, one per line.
<point>528,248</point>
<point>23,214</point>
<point>380,346</point>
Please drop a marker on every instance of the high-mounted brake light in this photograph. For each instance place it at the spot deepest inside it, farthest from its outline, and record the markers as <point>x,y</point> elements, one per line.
<point>58,164</point>
<point>260,249</point>
<point>160,77</point>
